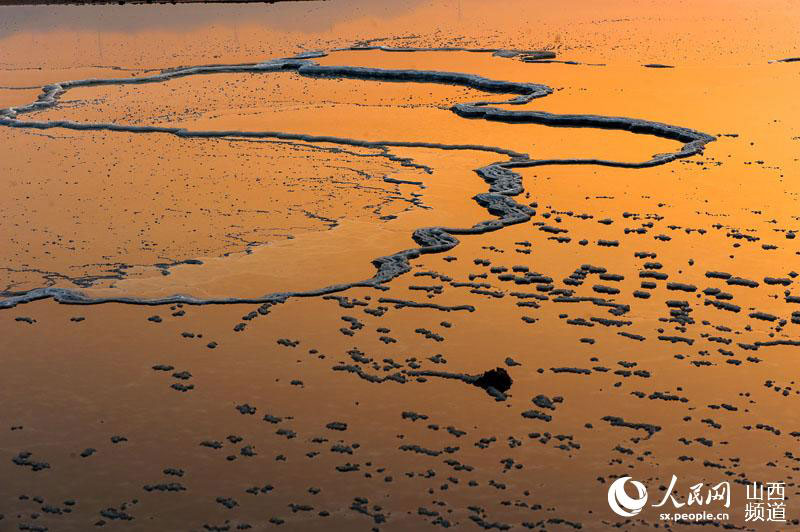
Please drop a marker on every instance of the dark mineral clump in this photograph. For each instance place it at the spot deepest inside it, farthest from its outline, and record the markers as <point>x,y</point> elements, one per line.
<point>497,378</point>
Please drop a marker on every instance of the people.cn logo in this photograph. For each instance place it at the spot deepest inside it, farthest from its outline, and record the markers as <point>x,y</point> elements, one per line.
<point>621,502</point>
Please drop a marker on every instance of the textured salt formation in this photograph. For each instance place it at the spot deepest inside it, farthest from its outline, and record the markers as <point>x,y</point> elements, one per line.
<point>439,453</point>
<point>499,52</point>
<point>503,182</point>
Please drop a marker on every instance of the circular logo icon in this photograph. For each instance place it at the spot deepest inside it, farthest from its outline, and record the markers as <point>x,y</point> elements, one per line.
<point>621,503</point>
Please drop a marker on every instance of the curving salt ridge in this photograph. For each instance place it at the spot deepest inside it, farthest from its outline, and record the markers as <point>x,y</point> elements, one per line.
<point>500,52</point>
<point>503,182</point>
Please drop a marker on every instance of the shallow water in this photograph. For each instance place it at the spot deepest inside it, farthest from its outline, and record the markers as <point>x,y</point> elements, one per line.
<point>304,181</point>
